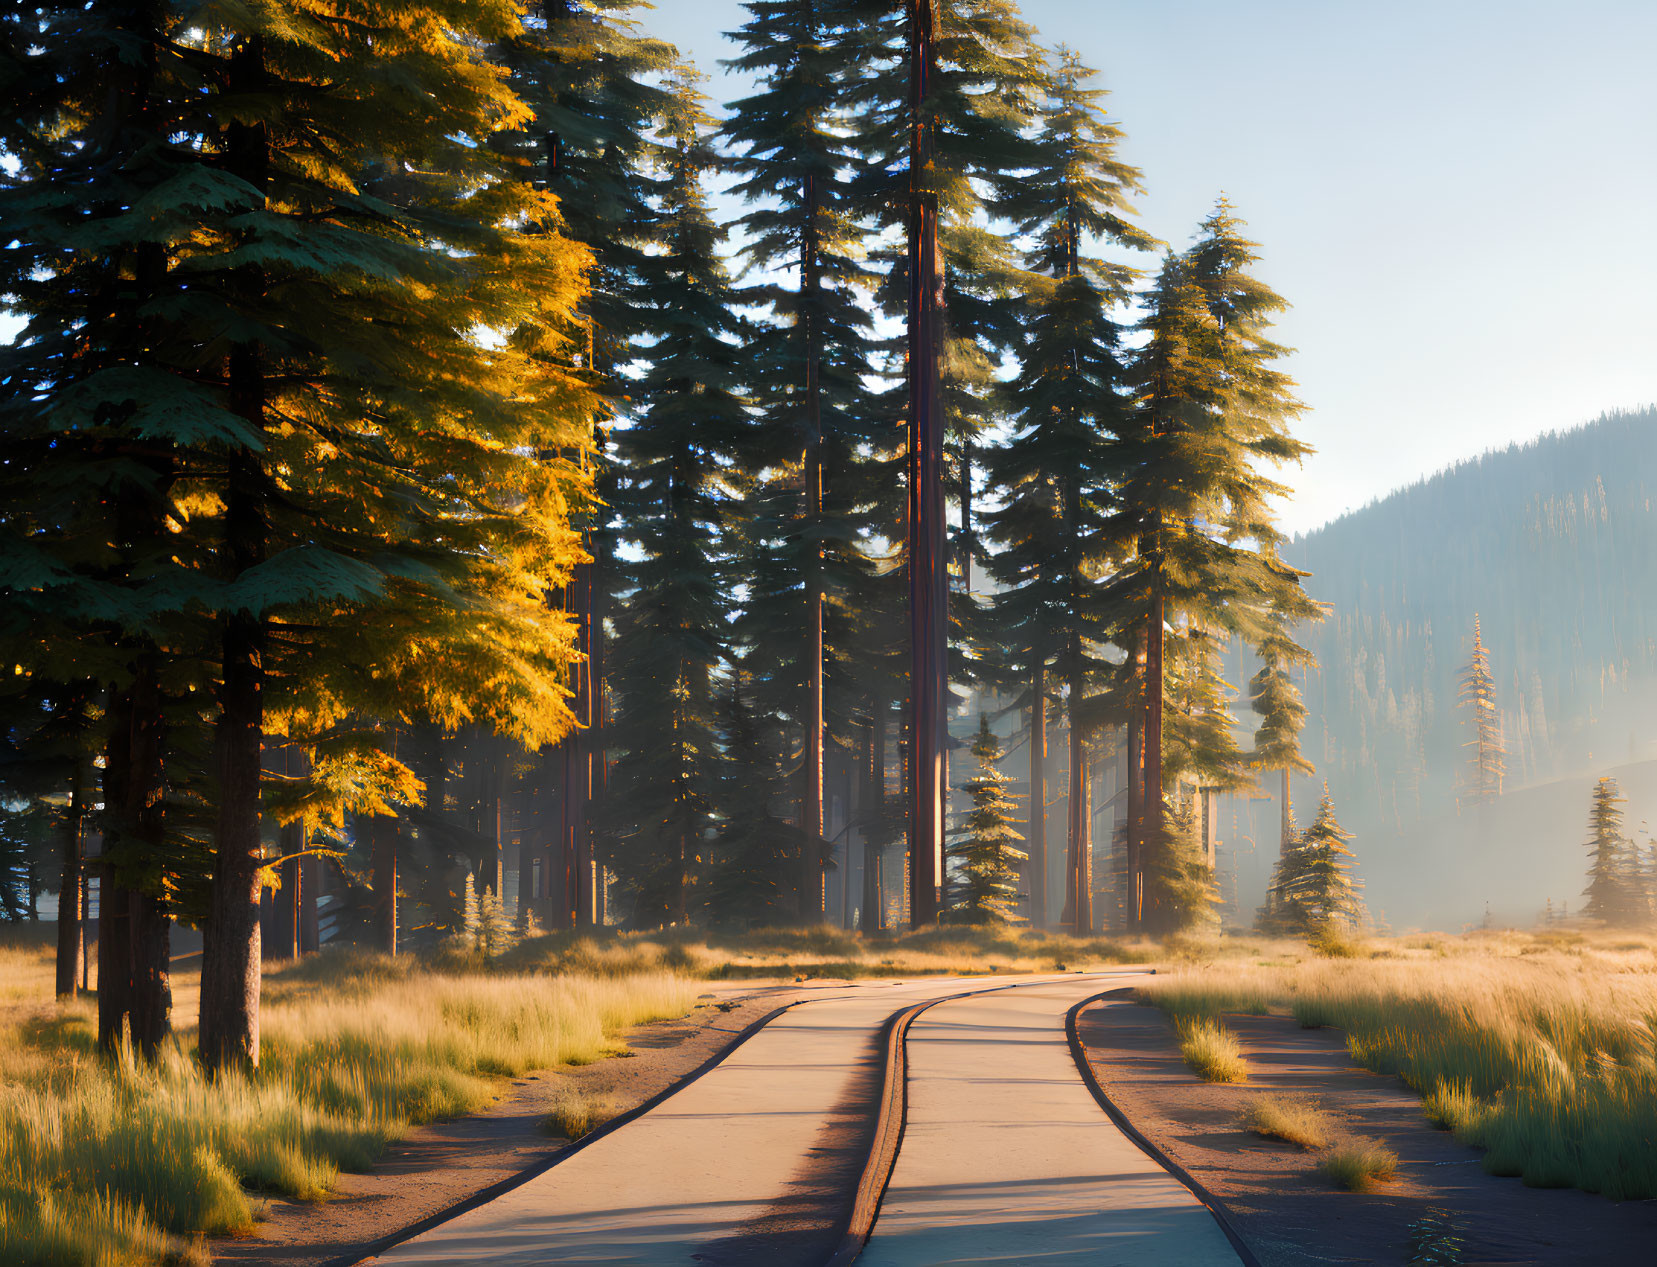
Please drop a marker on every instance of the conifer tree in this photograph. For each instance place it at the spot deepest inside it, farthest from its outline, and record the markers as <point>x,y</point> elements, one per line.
<point>1192,522</point>
<point>753,878</point>
<point>325,438</point>
<point>1064,404</point>
<point>1614,890</point>
<point>1478,695</point>
<point>1178,887</point>
<point>810,362</point>
<point>985,856</point>
<point>1316,888</point>
<point>674,498</point>
<point>945,97</point>
<point>591,82</point>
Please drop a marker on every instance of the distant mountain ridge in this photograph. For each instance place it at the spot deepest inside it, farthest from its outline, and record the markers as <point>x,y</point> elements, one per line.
<point>1553,543</point>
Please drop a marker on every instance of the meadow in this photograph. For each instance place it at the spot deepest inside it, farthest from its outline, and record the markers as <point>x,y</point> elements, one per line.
<point>1537,1048</point>
<point>115,1161</point>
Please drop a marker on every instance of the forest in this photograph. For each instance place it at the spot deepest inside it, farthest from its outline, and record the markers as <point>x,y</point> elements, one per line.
<point>1546,547</point>
<point>415,494</point>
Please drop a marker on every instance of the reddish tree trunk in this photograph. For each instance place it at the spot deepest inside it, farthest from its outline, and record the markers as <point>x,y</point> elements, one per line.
<point>1035,836</point>
<point>1153,726</point>
<point>72,889</point>
<point>928,576</point>
<point>229,1030</point>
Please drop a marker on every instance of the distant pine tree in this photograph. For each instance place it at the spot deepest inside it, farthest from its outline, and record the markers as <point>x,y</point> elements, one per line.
<point>1478,696</point>
<point>471,920</point>
<point>1179,884</point>
<point>985,857</point>
<point>1617,889</point>
<point>1315,885</point>
<point>675,499</point>
<point>755,851</point>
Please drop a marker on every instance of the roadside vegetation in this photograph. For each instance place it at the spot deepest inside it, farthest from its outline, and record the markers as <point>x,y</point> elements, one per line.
<point>1537,1048</point>
<point>121,1161</point>
<point>1211,1050</point>
<point>1292,1119</point>
<point>1359,1164</point>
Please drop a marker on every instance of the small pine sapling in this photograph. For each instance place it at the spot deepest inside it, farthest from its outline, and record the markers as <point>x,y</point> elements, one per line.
<point>985,856</point>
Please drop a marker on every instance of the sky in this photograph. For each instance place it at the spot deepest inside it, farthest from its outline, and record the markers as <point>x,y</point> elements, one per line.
<point>1458,198</point>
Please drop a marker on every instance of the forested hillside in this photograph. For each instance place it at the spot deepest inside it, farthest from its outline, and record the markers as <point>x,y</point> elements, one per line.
<point>1552,545</point>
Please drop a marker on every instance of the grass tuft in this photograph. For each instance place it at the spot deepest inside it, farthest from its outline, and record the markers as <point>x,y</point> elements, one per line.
<point>578,1112</point>
<point>1294,1120</point>
<point>1211,1050</point>
<point>1357,1165</point>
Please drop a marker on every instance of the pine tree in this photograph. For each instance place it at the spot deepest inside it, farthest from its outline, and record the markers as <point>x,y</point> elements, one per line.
<point>985,856</point>
<point>1276,700</point>
<point>1478,695</point>
<point>324,439</point>
<point>1064,405</point>
<point>1192,522</point>
<point>1179,890</point>
<point>675,501</point>
<point>945,98</point>
<point>752,881</point>
<point>471,914</point>
<point>591,82</point>
<point>1615,892</point>
<point>817,455</point>
<point>1316,887</point>
<point>494,935</point>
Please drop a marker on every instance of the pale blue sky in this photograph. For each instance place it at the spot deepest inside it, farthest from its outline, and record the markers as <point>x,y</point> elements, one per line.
<point>1458,197</point>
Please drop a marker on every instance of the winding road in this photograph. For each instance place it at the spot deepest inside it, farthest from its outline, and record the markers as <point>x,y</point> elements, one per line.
<point>891,1125</point>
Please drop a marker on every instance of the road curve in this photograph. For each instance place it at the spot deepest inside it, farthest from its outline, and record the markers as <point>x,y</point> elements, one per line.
<point>751,1164</point>
<point>1007,1158</point>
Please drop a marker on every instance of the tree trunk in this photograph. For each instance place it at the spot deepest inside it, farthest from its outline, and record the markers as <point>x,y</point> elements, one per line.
<point>114,960</point>
<point>874,818</point>
<point>1153,808</point>
<point>577,772</point>
<point>229,1030</point>
<point>382,863</point>
<point>1287,830</point>
<point>72,889</point>
<point>1035,835</point>
<point>1135,906</point>
<point>1078,834</point>
<point>928,577</point>
<point>152,991</point>
<point>591,913</point>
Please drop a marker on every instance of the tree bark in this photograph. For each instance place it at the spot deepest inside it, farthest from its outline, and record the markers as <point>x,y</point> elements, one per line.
<point>1153,728</point>
<point>1035,836</point>
<point>1135,904</point>
<point>874,817</point>
<point>1079,833</point>
<point>928,576</point>
<point>72,888</point>
<point>574,850</point>
<point>229,1030</point>
<point>382,863</point>
<point>813,879</point>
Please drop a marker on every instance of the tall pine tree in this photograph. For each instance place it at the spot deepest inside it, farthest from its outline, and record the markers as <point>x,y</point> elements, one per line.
<point>675,500</point>
<point>1051,477</point>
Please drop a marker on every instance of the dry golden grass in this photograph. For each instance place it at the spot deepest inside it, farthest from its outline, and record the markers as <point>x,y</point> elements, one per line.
<point>122,1162</point>
<point>1292,1119</point>
<point>1537,1048</point>
<point>1359,1164</point>
<point>577,1112</point>
<point>1211,1050</point>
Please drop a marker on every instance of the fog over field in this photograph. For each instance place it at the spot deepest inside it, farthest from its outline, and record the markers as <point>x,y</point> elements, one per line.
<point>1552,546</point>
